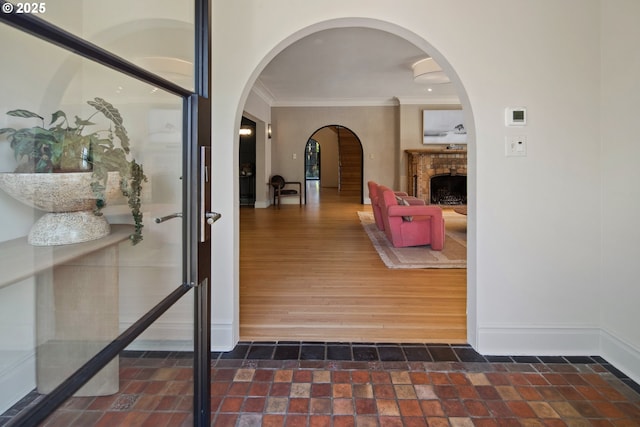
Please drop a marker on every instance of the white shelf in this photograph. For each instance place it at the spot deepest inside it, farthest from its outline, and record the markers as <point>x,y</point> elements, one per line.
<point>20,260</point>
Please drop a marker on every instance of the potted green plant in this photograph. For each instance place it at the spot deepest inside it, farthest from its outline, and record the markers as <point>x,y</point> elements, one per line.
<point>65,147</point>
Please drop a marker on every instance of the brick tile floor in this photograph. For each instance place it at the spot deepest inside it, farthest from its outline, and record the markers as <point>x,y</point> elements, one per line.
<point>157,391</point>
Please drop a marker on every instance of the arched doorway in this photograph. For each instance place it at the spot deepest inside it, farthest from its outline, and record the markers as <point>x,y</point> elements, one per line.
<point>333,159</point>
<point>287,143</point>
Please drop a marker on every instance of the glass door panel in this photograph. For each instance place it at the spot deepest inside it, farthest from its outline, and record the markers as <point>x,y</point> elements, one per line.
<point>75,272</point>
<point>157,36</point>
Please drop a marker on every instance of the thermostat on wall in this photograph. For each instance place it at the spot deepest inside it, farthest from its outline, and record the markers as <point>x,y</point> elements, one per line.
<point>515,116</point>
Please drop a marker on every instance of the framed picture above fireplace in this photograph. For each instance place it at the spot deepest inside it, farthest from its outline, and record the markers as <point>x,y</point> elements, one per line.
<point>443,127</point>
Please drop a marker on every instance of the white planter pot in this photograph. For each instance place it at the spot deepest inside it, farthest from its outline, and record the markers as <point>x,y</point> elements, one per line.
<point>69,202</point>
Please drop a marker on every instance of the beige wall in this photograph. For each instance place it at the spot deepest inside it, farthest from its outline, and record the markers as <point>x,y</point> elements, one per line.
<point>375,126</point>
<point>395,129</point>
<point>410,129</point>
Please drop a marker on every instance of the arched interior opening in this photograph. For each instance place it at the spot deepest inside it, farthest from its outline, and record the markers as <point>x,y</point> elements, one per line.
<point>385,161</point>
<point>333,161</point>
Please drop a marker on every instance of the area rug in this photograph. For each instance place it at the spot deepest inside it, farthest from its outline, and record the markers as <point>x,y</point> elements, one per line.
<point>454,254</point>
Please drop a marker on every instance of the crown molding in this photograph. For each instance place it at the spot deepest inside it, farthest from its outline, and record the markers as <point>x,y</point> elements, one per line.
<point>440,100</point>
<point>261,91</point>
<point>336,102</point>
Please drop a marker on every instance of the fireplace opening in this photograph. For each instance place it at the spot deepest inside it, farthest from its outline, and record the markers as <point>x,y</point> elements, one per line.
<point>449,190</point>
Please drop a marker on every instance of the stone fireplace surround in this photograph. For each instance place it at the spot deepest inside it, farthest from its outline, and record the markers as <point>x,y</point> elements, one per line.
<point>424,164</point>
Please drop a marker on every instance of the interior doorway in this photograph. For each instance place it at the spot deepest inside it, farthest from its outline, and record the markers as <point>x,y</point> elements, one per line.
<point>247,162</point>
<point>372,146</point>
<point>312,160</point>
<point>333,160</point>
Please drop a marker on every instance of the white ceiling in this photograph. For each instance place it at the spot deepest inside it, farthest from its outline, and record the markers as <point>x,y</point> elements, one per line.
<point>348,66</point>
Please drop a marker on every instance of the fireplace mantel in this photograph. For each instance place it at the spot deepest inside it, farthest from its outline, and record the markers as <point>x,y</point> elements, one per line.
<point>425,163</point>
<point>437,149</point>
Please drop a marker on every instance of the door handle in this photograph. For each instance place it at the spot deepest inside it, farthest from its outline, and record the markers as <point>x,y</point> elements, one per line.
<point>168,217</point>
<point>212,217</point>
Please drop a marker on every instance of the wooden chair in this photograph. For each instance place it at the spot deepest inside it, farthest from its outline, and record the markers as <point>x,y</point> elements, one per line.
<point>278,183</point>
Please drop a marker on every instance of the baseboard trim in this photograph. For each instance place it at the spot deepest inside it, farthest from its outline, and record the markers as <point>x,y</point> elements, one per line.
<point>539,341</point>
<point>620,354</point>
<point>223,337</point>
<point>561,341</point>
<point>169,336</point>
<point>17,379</point>
<point>161,345</point>
<point>286,201</point>
<point>494,341</point>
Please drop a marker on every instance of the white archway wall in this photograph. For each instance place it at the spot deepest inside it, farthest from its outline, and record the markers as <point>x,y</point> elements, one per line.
<point>533,273</point>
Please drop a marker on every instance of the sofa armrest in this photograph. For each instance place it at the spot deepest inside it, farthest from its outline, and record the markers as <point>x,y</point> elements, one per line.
<point>415,210</point>
<point>414,201</point>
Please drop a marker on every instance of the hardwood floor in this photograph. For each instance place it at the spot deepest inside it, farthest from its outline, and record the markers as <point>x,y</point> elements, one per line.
<point>311,273</point>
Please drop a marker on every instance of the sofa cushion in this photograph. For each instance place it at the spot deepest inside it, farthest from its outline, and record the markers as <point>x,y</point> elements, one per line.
<point>402,201</point>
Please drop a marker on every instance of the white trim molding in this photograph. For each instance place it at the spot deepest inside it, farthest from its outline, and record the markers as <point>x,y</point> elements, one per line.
<point>336,102</point>
<point>261,204</point>
<point>539,341</point>
<point>492,341</point>
<point>161,345</point>
<point>261,91</point>
<point>17,377</point>
<point>560,341</point>
<point>223,337</point>
<point>170,336</point>
<point>623,356</point>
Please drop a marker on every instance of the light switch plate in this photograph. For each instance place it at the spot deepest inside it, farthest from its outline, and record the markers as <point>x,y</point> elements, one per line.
<point>515,146</point>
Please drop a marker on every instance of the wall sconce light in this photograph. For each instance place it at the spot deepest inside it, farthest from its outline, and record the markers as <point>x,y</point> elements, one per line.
<point>269,130</point>
<point>245,131</point>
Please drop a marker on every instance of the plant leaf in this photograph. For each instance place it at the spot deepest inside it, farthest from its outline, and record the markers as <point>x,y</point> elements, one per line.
<point>57,115</point>
<point>35,134</point>
<point>10,131</point>
<point>44,166</point>
<point>112,114</point>
<point>23,147</point>
<point>107,109</point>
<point>81,122</point>
<point>24,114</point>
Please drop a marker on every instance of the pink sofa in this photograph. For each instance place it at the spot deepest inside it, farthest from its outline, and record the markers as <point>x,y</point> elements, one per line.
<point>375,202</point>
<point>410,225</point>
